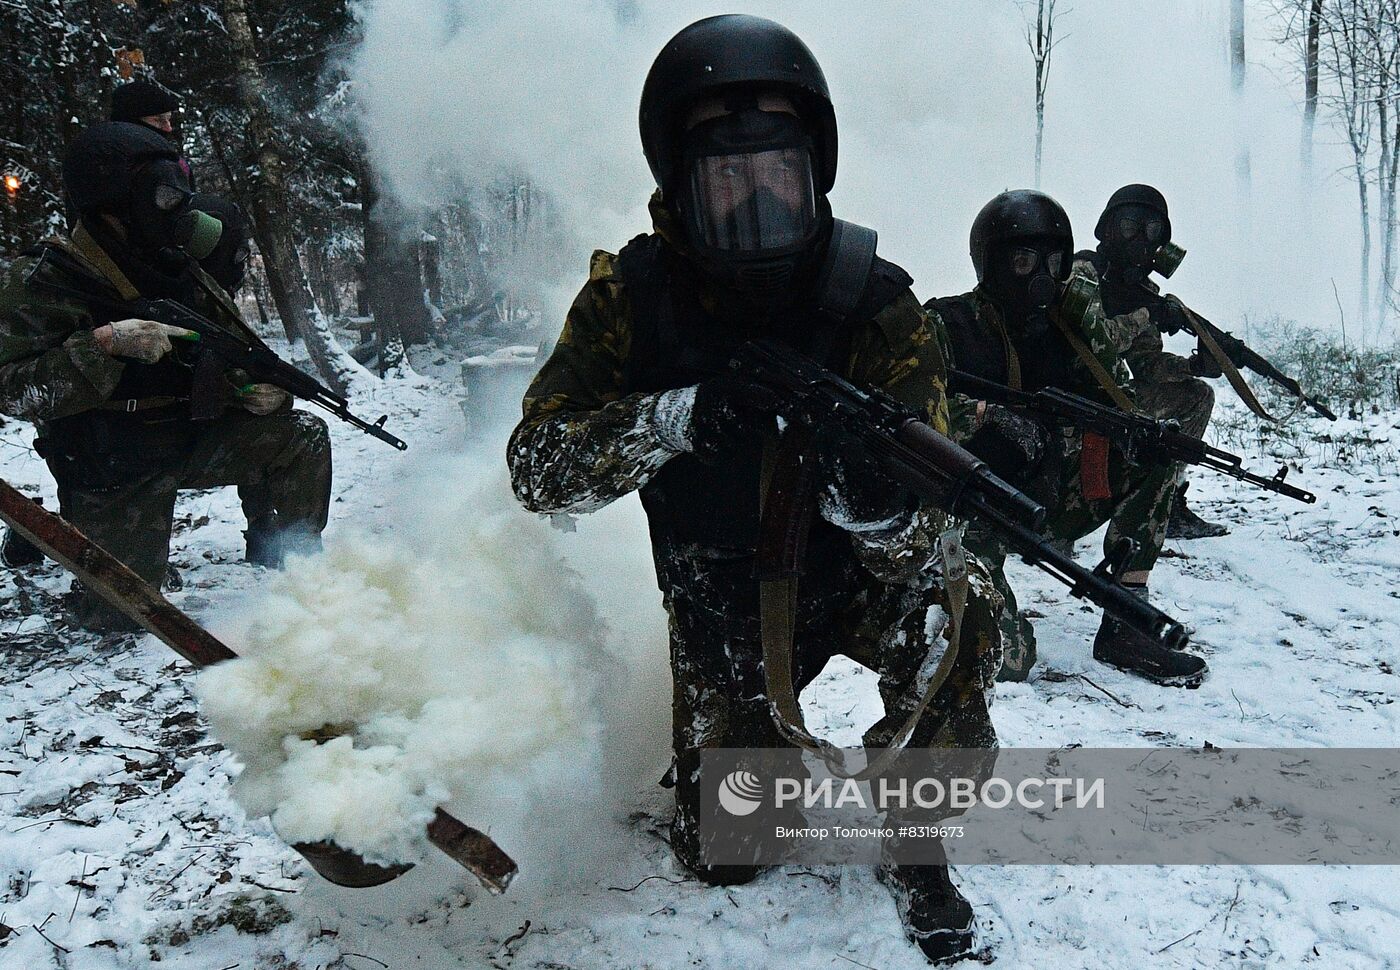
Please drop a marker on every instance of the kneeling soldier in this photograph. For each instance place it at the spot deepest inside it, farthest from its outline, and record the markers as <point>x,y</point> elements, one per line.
<point>110,394</point>
<point>739,130</point>
<point>1010,330</point>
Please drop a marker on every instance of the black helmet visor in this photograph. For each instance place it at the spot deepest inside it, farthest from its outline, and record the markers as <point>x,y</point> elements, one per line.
<point>753,202</point>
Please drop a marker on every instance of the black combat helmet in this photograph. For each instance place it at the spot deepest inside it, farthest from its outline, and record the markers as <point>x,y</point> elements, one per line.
<point>728,51</point>
<point>1021,214</point>
<point>1022,246</point>
<point>1135,195</point>
<point>102,161</point>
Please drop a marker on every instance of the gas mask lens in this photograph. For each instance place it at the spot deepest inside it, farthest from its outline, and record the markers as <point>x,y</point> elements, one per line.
<point>1152,230</point>
<point>168,197</point>
<point>754,202</point>
<point>1024,261</point>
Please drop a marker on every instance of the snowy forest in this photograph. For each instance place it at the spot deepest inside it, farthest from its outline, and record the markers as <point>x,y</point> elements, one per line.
<point>425,185</point>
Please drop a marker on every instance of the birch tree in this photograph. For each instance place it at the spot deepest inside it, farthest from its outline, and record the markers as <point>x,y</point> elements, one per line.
<point>1041,39</point>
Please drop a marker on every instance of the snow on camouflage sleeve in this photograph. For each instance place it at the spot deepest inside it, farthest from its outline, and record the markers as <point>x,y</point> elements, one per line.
<point>582,442</point>
<point>50,365</point>
<point>903,354</point>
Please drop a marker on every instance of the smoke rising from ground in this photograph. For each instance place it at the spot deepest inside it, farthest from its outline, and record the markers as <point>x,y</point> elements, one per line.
<point>468,664</point>
<point>935,107</point>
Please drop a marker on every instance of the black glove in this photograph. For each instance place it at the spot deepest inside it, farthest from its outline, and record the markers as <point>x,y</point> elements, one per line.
<point>1169,317</point>
<point>1010,443</point>
<point>855,488</point>
<point>1202,363</point>
<point>729,411</point>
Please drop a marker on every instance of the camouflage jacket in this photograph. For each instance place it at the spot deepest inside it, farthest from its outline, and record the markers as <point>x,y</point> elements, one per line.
<point>1141,337</point>
<point>587,439</point>
<point>1106,338</point>
<point>50,365</point>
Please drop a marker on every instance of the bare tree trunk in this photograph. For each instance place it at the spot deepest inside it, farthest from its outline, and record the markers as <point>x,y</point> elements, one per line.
<point>1310,76</point>
<point>1364,200</point>
<point>1041,41</point>
<point>1237,78</point>
<point>392,274</point>
<point>270,204</point>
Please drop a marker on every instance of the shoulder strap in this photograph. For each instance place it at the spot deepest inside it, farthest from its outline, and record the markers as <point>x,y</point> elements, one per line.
<point>87,247</point>
<point>846,271</point>
<point>653,316</point>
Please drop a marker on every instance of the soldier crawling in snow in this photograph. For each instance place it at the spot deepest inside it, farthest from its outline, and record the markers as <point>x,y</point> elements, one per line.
<point>110,394</point>
<point>740,133</point>
<point>1011,330</point>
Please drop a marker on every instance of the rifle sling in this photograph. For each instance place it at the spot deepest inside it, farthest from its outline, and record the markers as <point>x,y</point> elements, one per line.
<point>1086,356</point>
<point>777,596</point>
<point>1223,361</point>
<point>88,249</point>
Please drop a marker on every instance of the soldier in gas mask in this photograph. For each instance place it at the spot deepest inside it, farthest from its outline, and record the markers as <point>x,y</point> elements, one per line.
<point>110,393</point>
<point>739,129</point>
<point>1022,327</point>
<point>1134,233</point>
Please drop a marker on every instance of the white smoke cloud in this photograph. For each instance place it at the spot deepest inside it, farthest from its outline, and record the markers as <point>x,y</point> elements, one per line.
<point>467,664</point>
<point>934,102</point>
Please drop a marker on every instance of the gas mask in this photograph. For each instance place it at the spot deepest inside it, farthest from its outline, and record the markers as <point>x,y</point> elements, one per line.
<point>748,200</point>
<point>161,215</point>
<point>1026,278</point>
<point>1135,235</point>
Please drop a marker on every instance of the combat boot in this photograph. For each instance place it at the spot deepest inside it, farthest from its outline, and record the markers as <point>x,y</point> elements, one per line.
<point>269,542</point>
<point>937,917</point>
<point>1122,647</point>
<point>16,551</point>
<point>263,543</point>
<point>1185,524</point>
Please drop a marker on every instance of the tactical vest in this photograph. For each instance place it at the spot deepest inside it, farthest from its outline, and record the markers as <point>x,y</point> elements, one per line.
<point>976,346</point>
<point>710,510</point>
<point>979,348</point>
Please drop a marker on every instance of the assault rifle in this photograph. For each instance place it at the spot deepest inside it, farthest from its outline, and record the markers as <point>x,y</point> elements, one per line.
<point>225,350</point>
<point>941,473</point>
<point>1141,438</point>
<point>1235,350</point>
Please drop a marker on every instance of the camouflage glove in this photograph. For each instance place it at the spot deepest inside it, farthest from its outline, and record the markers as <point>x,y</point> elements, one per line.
<point>726,411</point>
<point>261,399</point>
<point>856,493</point>
<point>143,340</point>
<point>1010,443</point>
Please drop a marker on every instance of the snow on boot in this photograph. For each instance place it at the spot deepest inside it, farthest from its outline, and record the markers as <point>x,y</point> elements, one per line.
<point>1185,524</point>
<point>937,918</point>
<point>1120,646</point>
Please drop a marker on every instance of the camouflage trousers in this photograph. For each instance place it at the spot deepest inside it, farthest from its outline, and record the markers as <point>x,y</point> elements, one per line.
<point>1165,388</point>
<point>1138,508</point>
<point>719,697</point>
<point>280,462</point>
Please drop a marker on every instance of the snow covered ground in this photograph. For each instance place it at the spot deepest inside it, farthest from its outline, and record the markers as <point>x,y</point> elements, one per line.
<point>120,846</point>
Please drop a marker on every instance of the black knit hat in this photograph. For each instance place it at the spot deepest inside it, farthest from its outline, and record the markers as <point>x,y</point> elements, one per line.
<point>142,99</point>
